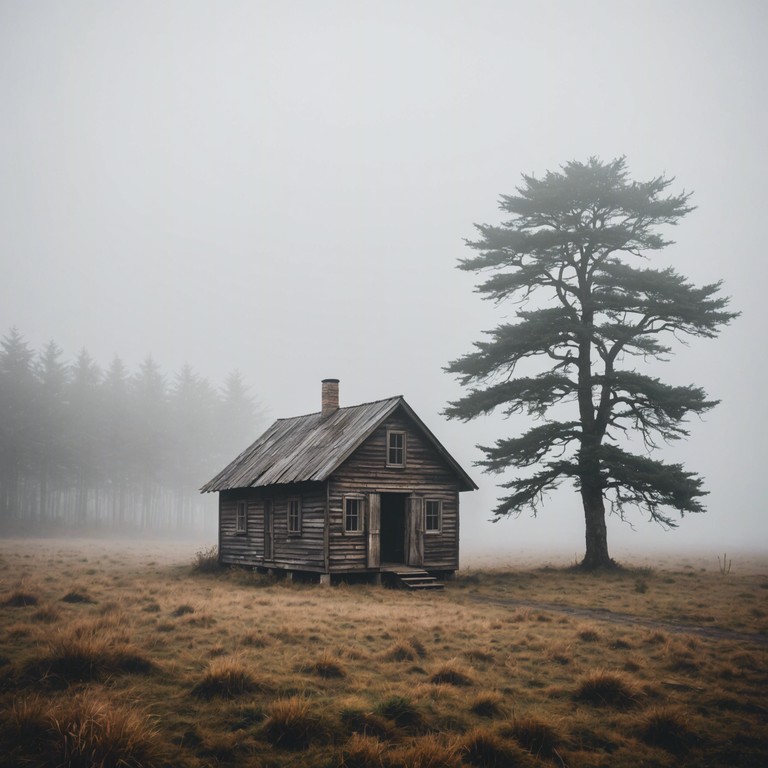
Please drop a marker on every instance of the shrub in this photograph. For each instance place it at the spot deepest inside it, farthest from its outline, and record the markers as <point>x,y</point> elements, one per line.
<point>482,747</point>
<point>226,678</point>
<point>183,610</point>
<point>291,724</point>
<point>607,689</point>
<point>206,560</point>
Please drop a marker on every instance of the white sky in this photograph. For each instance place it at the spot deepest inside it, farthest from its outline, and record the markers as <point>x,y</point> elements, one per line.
<point>284,188</point>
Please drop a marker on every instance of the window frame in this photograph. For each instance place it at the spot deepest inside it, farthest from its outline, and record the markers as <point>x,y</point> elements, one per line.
<point>360,501</point>
<point>241,518</point>
<point>293,531</point>
<point>439,529</point>
<point>390,434</point>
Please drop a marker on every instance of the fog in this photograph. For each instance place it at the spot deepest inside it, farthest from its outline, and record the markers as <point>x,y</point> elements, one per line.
<point>285,188</point>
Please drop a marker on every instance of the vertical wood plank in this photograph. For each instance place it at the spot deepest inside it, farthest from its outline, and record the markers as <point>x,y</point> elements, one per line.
<point>415,531</point>
<point>374,530</point>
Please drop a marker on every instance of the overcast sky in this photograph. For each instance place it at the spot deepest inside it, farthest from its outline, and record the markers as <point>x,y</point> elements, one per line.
<point>284,188</point>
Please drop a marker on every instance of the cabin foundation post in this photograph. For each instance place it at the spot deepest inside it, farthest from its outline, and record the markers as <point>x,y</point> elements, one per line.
<point>325,579</point>
<point>377,579</point>
<point>289,576</point>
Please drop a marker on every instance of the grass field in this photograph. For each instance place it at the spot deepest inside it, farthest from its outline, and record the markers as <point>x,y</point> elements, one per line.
<point>124,655</point>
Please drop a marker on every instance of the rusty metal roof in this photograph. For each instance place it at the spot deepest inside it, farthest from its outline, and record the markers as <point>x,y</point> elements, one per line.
<point>312,447</point>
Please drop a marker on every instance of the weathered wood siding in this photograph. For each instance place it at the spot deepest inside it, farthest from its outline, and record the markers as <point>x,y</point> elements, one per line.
<point>425,474</point>
<point>302,551</point>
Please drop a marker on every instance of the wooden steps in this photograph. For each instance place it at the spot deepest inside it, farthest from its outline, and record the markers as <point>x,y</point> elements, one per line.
<point>414,578</point>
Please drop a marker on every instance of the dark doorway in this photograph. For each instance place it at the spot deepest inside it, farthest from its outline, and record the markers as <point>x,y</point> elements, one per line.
<point>393,527</point>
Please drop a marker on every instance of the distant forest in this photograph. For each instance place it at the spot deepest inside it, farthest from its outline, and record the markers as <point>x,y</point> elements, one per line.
<point>84,448</point>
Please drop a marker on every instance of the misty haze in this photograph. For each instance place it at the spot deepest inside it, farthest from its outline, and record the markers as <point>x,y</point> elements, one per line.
<point>288,317</point>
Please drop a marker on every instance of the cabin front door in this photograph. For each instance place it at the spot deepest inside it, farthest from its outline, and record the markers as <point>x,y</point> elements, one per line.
<point>392,527</point>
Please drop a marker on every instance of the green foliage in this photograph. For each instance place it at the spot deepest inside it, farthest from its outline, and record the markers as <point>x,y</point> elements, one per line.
<point>569,253</point>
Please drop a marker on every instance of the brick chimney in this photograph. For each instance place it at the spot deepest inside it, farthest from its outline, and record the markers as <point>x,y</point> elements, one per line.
<point>330,397</point>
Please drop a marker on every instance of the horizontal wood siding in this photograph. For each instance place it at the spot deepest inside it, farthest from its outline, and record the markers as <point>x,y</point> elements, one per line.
<point>425,474</point>
<point>303,551</point>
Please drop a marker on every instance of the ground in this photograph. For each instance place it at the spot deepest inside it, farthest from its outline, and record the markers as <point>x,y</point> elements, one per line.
<point>114,652</point>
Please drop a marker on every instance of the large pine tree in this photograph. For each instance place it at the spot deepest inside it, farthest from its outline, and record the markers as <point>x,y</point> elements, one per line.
<point>570,259</point>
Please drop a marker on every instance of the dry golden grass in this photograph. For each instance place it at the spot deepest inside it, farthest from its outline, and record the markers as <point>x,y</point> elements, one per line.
<point>86,730</point>
<point>173,664</point>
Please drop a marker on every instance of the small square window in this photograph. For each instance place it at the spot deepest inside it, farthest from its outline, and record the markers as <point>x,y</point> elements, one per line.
<point>241,519</point>
<point>294,516</point>
<point>353,514</point>
<point>395,448</point>
<point>433,516</point>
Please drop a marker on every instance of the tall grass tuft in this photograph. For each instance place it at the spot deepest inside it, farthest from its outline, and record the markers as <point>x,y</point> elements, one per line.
<point>92,731</point>
<point>77,596</point>
<point>84,731</point>
<point>405,649</point>
<point>485,748</point>
<point>430,751</point>
<point>401,712</point>
<point>452,673</point>
<point>46,614</point>
<point>362,752</point>
<point>607,689</point>
<point>87,653</point>
<point>666,728</point>
<point>226,678</point>
<point>291,724</point>
<point>20,598</point>
<point>489,704</point>
<point>536,735</point>
<point>328,667</point>
<point>357,719</point>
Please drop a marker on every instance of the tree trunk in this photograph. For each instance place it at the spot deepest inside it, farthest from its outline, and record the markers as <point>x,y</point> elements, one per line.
<point>596,532</point>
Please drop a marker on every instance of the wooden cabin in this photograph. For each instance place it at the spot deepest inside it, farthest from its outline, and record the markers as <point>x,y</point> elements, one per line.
<point>355,490</point>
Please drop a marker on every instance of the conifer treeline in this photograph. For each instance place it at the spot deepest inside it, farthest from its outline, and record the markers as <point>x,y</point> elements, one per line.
<point>85,447</point>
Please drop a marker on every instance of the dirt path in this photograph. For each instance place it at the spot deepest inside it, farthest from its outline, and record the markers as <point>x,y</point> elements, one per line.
<point>624,619</point>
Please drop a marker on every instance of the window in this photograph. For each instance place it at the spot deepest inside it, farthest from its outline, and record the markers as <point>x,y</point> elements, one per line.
<point>395,448</point>
<point>294,516</point>
<point>241,519</point>
<point>353,514</point>
<point>433,516</point>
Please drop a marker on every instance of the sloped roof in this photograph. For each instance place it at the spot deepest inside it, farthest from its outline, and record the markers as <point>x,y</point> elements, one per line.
<point>312,447</point>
